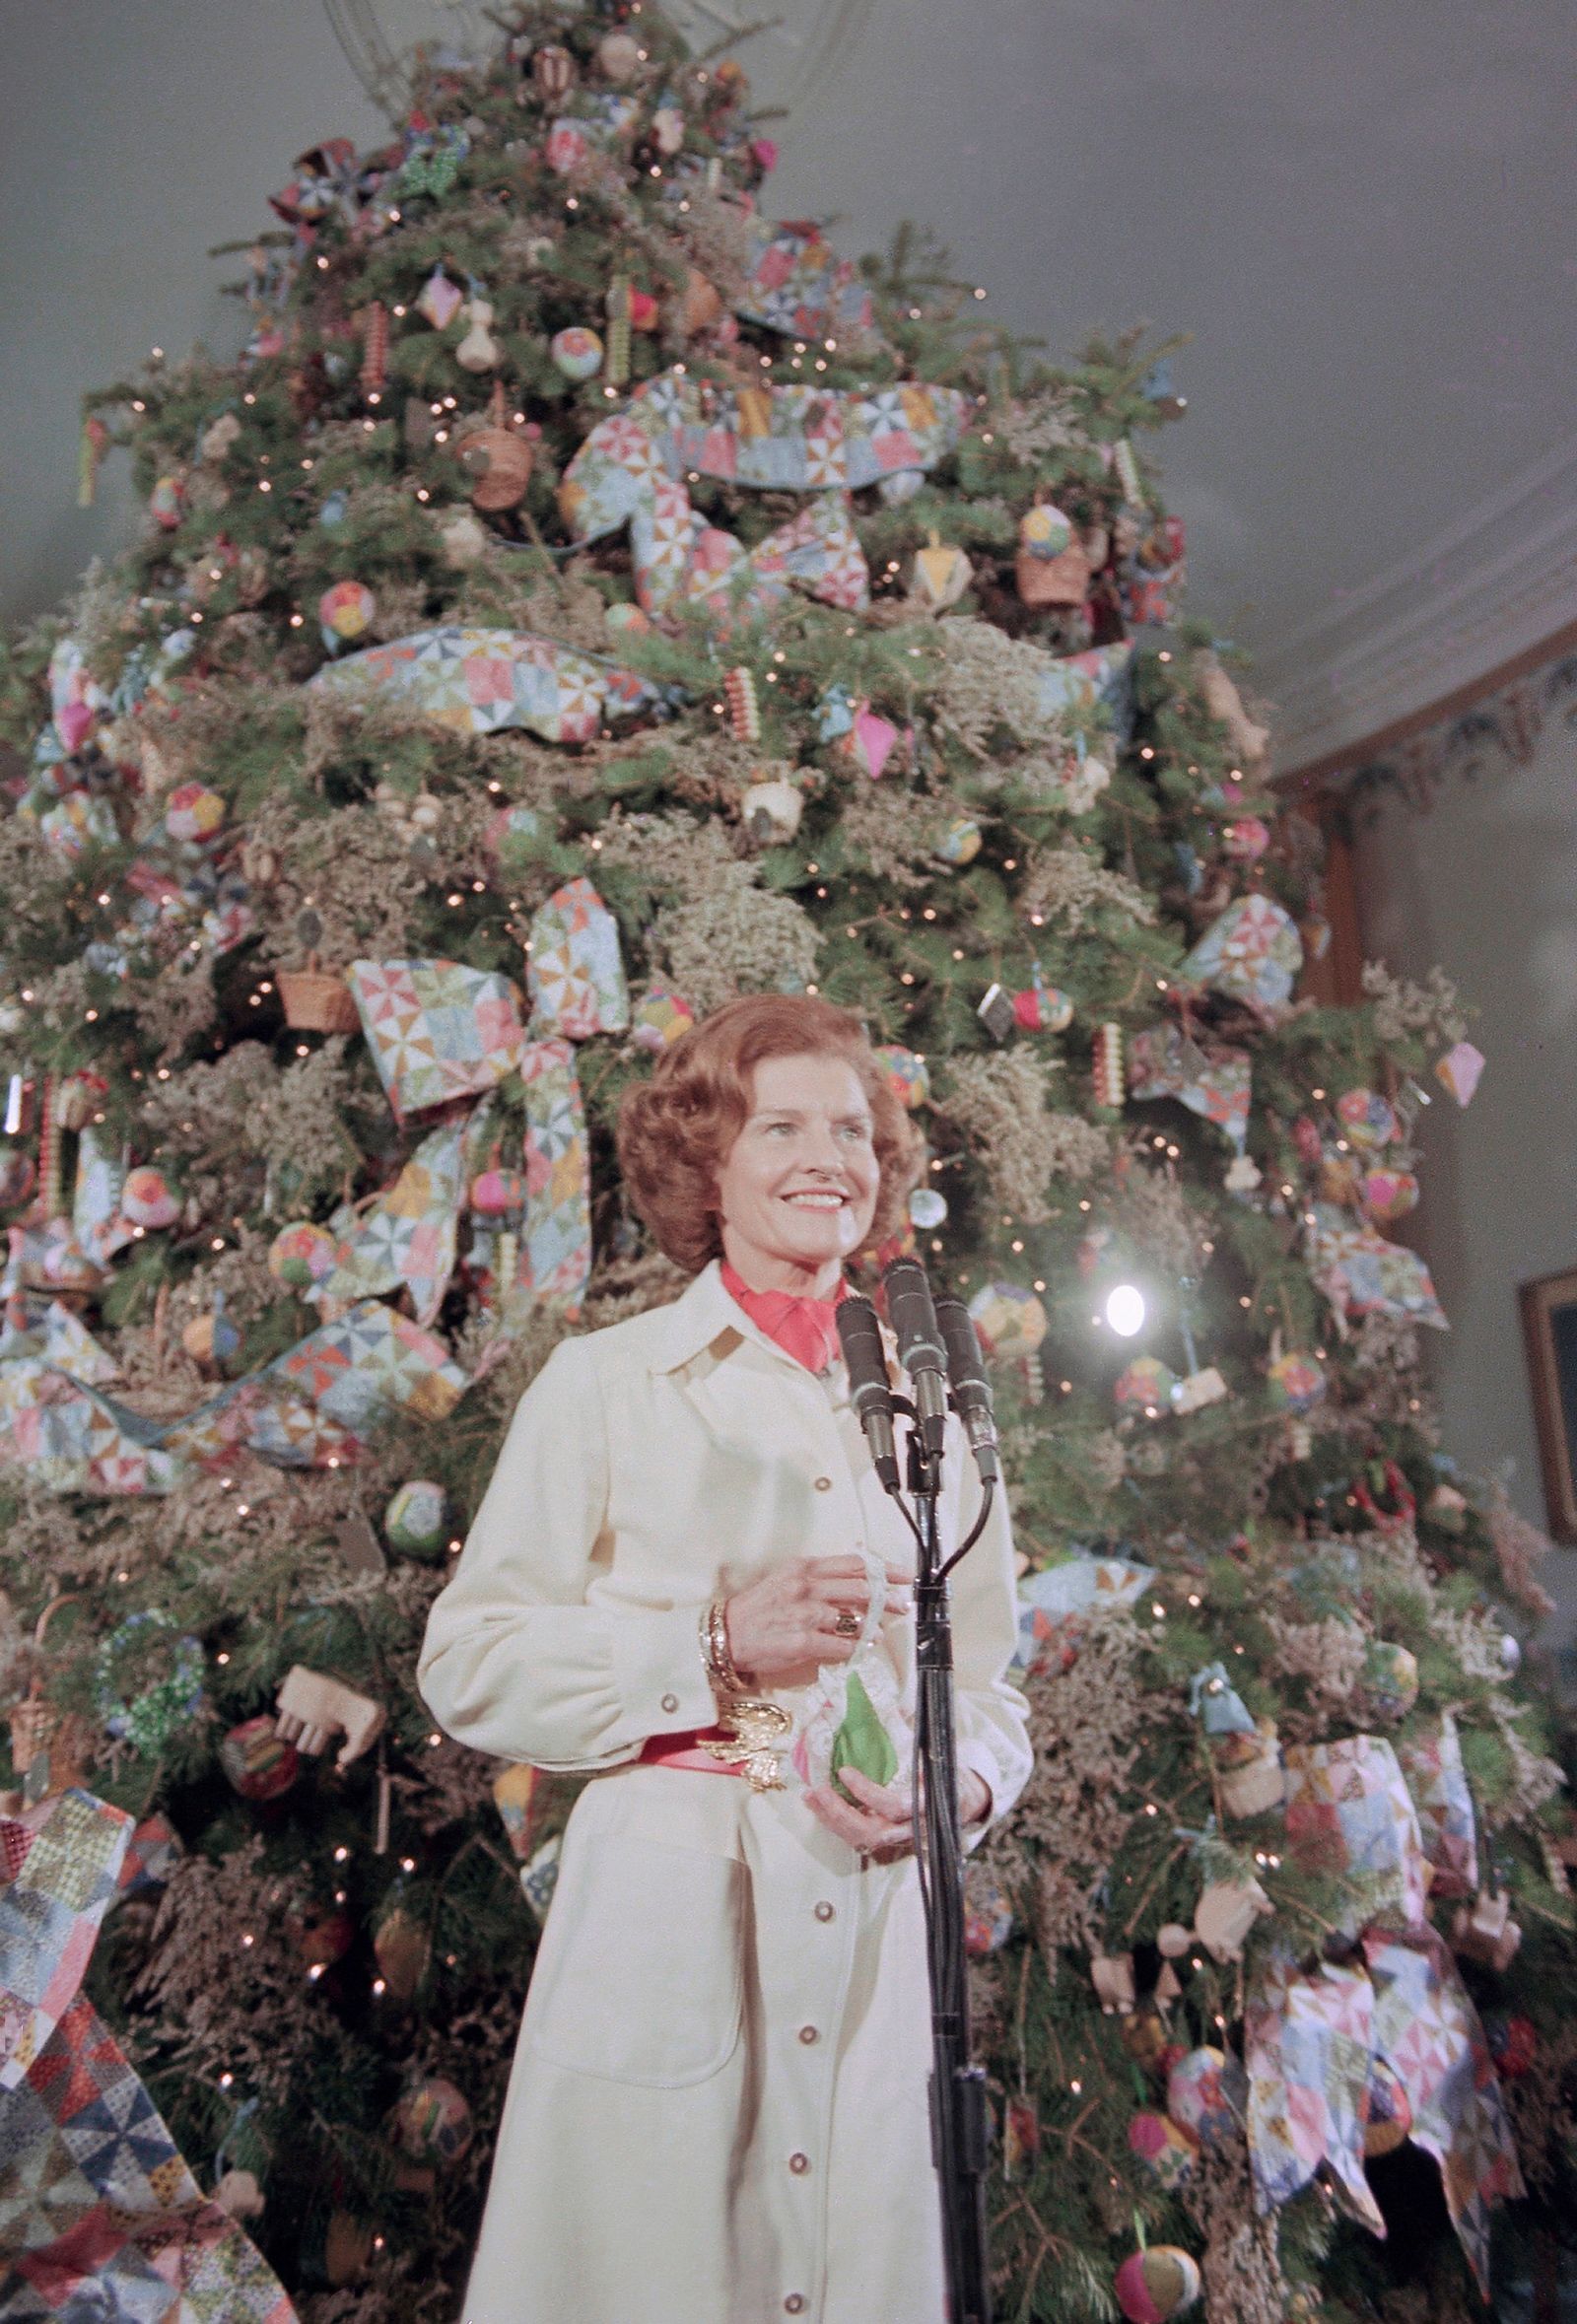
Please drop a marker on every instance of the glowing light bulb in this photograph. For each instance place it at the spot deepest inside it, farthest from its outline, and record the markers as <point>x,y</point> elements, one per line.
<point>1125,1310</point>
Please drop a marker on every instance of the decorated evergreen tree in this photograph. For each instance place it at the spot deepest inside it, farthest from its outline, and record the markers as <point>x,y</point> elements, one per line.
<point>583,602</point>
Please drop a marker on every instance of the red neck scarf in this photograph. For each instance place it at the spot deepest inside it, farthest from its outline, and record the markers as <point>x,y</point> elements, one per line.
<point>805,1328</point>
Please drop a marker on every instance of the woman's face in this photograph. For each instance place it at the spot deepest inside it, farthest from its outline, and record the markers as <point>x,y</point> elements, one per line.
<point>798,1189</point>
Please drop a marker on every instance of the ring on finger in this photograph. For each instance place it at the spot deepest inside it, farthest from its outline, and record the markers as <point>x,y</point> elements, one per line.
<point>848,1625</point>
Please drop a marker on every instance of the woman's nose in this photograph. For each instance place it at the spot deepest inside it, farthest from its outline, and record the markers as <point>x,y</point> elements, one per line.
<point>821,1149</point>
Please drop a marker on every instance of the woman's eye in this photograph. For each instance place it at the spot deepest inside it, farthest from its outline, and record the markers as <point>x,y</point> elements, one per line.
<point>854,1131</point>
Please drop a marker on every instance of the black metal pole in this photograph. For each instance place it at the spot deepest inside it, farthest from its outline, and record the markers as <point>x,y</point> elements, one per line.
<point>958,2113</point>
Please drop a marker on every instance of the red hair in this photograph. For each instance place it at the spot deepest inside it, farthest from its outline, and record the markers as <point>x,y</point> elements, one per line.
<point>676,1129</point>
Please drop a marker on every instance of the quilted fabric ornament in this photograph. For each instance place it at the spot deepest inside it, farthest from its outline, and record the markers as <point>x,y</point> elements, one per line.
<point>1458,1070</point>
<point>798,284</point>
<point>436,1030</point>
<point>908,1075</point>
<point>1012,1321</point>
<point>167,503</point>
<point>416,1519</point>
<point>960,843</point>
<point>1091,691</point>
<point>940,575</point>
<point>1247,840</point>
<point>556,1245</point>
<point>346,611</point>
<point>1055,1602</point>
<point>439,300</point>
<point>988,1913</point>
<point>1167,2151</point>
<point>1387,2111</point>
<point>1206,2094</point>
<point>369,1364</point>
<point>659,1018</point>
<point>1297,1380</point>
<point>1389,1680</point>
<point>540,1877</point>
<point>1042,1008</point>
<point>577,352</point>
<point>498,1193</point>
<point>1309,2050</point>
<point>479,681</point>
<point>871,739</point>
<point>1145,1386</point>
<point>1361,1273</point>
<point>926,1208</point>
<point>193,812</point>
<point>1388,1194</point>
<point>1367,1120</point>
<point>1253,953</point>
<point>1156,2285</point>
<point>259,1764</point>
<point>302,1255</point>
<point>432,2121</point>
<point>1432,1765</point>
<point>574,972</point>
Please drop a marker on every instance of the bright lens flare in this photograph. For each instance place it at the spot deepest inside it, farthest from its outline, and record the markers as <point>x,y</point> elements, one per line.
<point>1125,1310</point>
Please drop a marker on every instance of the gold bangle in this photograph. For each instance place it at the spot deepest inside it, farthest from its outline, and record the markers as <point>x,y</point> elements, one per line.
<point>721,1669</point>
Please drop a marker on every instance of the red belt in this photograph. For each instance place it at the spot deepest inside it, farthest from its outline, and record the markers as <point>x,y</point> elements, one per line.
<point>684,1750</point>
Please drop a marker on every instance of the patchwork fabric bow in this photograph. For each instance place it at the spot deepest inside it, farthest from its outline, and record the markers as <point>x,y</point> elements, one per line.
<point>1362,1274</point>
<point>476,681</point>
<point>1348,1813</point>
<point>1251,953</point>
<point>1093,689</point>
<point>437,1029</point>
<point>406,1239</point>
<point>798,284</point>
<point>98,2213</point>
<point>1162,1062</point>
<point>574,973</point>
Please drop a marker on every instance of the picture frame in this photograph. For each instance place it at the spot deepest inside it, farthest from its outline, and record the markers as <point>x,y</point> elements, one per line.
<point>1549,1332</point>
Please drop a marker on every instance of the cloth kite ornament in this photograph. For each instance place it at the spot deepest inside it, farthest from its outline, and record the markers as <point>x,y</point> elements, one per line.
<point>1362,1274</point>
<point>1349,1816</point>
<point>1093,690</point>
<point>575,975</point>
<point>798,284</point>
<point>1253,953</point>
<point>477,681</point>
<point>100,2215</point>
<point>437,1029</point>
<point>1163,1061</point>
<point>1055,1605</point>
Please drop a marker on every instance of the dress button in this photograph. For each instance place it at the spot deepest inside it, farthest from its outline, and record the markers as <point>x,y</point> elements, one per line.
<point>794,2304</point>
<point>670,1702</point>
<point>824,1912</point>
<point>808,2034</point>
<point>824,1484</point>
<point>799,2164</point>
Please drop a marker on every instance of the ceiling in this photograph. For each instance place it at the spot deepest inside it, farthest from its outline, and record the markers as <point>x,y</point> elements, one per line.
<point>1365,211</point>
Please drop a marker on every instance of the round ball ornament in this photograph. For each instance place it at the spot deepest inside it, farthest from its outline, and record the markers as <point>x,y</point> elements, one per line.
<point>1247,839</point>
<point>193,812</point>
<point>1012,1321</point>
<point>1045,531</point>
<point>322,1933</point>
<point>259,1764</point>
<point>1513,2044</point>
<point>1172,1940</point>
<point>212,1338</point>
<point>960,843</point>
<point>1388,1194</point>
<point>659,1018</point>
<point>627,621</point>
<point>149,1680</point>
<point>1204,2095</point>
<point>1165,2149</point>
<point>345,611</point>
<point>619,56</point>
<point>771,812</point>
<point>1042,1008</point>
<point>403,1951</point>
<point>1145,1386</point>
<point>145,1200</point>
<point>988,1913</point>
<point>432,2121</point>
<point>927,1209</point>
<point>1156,2285</point>
<point>1387,2110</point>
<point>1297,1380</point>
<point>416,1519</point>
<point>498,1193</point>
<point>302,1255</point>
<point>577,352</point>
<point>1389,1681</point>
<point>908,1077</point>
<point>1367,1119</point>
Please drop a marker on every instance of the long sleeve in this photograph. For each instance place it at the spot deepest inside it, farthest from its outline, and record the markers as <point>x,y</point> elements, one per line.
<point>516,1660</point>
<point>991,1716</point>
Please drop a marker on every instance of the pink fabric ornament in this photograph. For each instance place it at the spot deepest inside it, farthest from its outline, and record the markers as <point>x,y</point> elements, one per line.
<point>1458,1070</point>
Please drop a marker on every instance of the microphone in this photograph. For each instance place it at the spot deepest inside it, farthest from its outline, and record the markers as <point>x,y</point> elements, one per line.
<point>919,1346</point>
<point>971,1386</point>
<point>859,1334</point>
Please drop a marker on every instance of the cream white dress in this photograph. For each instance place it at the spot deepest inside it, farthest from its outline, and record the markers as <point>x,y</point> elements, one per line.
<point>717,2110</point>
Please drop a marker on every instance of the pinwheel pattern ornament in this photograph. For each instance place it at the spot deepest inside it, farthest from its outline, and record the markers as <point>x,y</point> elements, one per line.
<point>437,1029</point>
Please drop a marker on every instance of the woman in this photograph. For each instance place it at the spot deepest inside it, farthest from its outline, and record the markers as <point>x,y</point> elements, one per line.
<point>717,2112</point>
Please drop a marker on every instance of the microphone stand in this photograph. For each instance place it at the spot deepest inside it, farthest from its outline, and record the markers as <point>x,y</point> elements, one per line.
<point>958,2110</point>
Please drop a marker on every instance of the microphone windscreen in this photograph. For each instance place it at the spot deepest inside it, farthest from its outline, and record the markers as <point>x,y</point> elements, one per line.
<point>914,1317</point>
<point>965,1359</point>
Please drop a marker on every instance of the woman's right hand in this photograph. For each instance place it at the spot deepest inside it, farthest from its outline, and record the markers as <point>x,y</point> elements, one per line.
<point>786,1622</point>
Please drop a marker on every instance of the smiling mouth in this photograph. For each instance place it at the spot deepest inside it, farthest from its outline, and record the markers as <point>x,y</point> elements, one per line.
<point>827,1199</point>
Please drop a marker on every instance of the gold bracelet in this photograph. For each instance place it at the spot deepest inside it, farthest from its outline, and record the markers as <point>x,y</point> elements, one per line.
<point>721,1669</point>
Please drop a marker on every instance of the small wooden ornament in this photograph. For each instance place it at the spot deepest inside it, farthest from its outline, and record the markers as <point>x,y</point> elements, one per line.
<point>315,1000</point>
<point>941,575</point>
<point>479,351</point>
<point>239,2195</point>
<point>1112,1975</point>
<point>358,1543</point>
<point>374,349</point>
<point>1172,1940</point>
<point>403,1949</point>
<point>553,71</point>
<point>1249,1771</point>
<point>745,710</point>
<point>771,812</point>
<point>313,1708</point>
<point>497,462</point>
<point>1106,1066</point>
<point>1225,1913</point>
<point>700,306</point>
<point>1168,1985</point>
<point>1486,1932</point>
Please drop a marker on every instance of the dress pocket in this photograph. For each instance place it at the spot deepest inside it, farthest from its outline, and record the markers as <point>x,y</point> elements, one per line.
<point>638,1976</point>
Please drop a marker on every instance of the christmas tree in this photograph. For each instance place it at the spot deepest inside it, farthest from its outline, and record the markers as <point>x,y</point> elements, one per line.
<point>583,602</point>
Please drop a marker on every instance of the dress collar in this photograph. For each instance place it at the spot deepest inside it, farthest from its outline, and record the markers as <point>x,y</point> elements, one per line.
<point>802,1326</point>
<point>701,1314</point>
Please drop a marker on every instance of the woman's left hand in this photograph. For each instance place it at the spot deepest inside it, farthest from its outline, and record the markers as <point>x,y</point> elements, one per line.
<point>879,1821</point>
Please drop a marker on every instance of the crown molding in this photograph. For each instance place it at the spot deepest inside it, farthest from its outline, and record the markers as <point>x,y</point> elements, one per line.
<point>1482,602</point>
